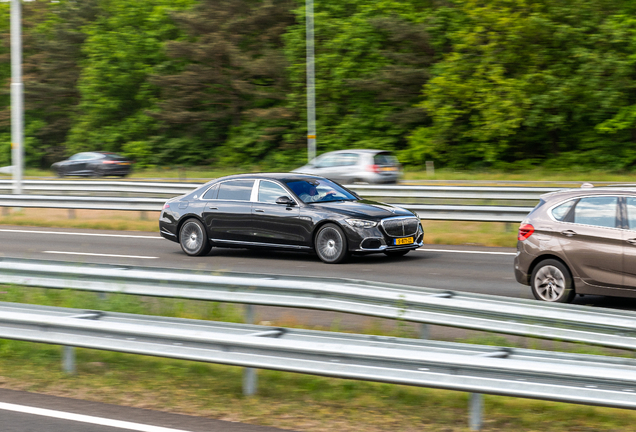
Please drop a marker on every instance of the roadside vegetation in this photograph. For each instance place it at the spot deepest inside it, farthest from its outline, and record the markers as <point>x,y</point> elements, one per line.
<point>284,400</point>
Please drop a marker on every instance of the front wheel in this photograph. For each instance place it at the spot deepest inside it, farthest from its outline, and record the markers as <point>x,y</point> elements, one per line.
<point>396,254</point>
<point>331,244</point>
<point>551,281</point>
<point>193,239</point>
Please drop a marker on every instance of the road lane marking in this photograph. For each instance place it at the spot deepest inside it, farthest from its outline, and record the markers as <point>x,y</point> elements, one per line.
<point>100,255</point>
<point>86,418</point>
<point>82,234</point>
<point>466,251</point>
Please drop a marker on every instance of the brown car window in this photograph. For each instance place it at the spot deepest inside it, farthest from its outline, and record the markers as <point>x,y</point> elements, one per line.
<point>597,211</point>
<point>560,212</point>
<point>631,213</point>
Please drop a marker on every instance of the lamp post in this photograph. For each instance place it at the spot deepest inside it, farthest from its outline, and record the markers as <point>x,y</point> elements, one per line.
<point>311,81</point>
<point>17,98</point>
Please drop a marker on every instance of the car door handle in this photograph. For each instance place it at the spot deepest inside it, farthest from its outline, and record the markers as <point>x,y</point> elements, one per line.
<point>568,233</point>
<point>213,208</point>
<point>259,210</point>
<point>632,241</point>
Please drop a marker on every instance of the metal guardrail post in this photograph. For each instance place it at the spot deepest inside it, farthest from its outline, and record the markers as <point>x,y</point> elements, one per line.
<point>68,359</point>
<point>250,378</point>
<point>476,409</point>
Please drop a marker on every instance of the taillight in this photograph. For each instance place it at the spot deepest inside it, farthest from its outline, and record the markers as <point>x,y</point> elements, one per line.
<point>166,205</point>
<point>525,231</point>
<point>110,162</point>
<point>373,168</point>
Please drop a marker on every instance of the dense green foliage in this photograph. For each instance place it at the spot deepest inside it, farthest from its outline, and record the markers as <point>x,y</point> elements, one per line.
<point>505,84</point>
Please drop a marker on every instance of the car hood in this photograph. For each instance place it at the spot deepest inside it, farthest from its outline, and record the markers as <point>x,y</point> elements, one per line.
<point>363,208</point>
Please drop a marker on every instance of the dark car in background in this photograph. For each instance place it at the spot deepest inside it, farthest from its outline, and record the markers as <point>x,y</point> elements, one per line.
<point>287,211</point>
<point>355,166</point>
<point>579,241</point>
<point>93,164</point>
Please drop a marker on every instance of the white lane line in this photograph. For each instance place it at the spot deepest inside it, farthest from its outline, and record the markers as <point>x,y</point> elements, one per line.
<point>468,252</point>
<point>83,234</point>
<point>86,419</point>
<point>100,255</point>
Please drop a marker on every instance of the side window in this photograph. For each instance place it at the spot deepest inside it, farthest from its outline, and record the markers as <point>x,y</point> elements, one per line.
<point>269,191</point>
<point>326,161</point>
<point>237,190</point>
<point>77,156</point>
<point>347,159</point>
<point>560,212</point>
<point>211,193</point>
<point>597,211</point>
<point>631,213</point>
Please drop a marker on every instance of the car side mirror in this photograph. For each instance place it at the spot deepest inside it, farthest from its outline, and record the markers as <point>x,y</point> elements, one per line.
<point>285,200</point>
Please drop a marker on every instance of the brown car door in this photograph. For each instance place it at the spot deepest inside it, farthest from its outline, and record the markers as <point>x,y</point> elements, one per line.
<point>629,244</point>
<point>592,241</point>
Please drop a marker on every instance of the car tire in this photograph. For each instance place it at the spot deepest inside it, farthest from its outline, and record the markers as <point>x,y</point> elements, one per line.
<point>396,254</point>
<point>98,172</point>
<point>331,244</point>
<point>551,281</point>
<point>193,238</point>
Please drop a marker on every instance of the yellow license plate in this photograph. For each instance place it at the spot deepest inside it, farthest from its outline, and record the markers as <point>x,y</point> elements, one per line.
<point>403,241</point>
<point>124,163</point>
<point>387,168</point>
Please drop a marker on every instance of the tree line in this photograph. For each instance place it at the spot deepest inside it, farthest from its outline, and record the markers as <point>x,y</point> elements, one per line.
<point>504,84</point>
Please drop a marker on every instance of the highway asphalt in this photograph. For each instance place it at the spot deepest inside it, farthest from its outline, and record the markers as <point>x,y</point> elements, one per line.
<point>462,268</point>
<point>473,269</point>
<point>30,412</point>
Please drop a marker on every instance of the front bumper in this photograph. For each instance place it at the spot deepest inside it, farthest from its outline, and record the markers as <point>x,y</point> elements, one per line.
<point>376,240</point>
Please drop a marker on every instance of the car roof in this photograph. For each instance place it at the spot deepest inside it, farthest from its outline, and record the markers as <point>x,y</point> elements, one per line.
<point>370,151</point>
<point>589,189</point>
<point>284,177</point>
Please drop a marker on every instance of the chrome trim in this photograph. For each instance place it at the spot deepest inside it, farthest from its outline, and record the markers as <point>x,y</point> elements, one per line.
<point>386,248</point>
<point>164,231</point>
<point>372,238</point>
<point>552,218</point>
<point>255,186</point>
<point>260,244</point>
<point>401,217</point>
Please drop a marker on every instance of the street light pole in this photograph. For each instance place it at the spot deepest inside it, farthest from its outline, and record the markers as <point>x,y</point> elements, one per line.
<point>311,81</point>
<point>17,98</point>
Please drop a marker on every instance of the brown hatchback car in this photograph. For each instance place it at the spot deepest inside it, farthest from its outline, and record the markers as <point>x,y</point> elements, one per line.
<point>579,241</point>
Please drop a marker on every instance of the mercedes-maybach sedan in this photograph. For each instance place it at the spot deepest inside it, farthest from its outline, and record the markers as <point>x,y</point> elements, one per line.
<point>288,212</point>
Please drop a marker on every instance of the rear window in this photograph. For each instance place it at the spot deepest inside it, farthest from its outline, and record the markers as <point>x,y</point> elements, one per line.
<point>385,159</point>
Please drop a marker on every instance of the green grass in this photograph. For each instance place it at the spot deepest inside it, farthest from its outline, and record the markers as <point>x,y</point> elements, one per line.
<point>538,174</point>
<point>284,400</point>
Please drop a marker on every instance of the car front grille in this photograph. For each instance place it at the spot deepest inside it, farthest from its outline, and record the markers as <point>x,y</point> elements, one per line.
<point>400,227</point>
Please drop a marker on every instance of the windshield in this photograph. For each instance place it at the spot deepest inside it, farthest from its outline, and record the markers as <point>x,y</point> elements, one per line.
<point>319,190</point>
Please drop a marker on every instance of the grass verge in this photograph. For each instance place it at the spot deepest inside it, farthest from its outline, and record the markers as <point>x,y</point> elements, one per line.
<point>435,232</point>
<point>284,400</point>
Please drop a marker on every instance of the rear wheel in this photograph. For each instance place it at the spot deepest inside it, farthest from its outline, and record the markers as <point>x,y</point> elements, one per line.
<point>193,239</point>
<point>331,244</point>
<point>396,254</point>
<point>551,281</point>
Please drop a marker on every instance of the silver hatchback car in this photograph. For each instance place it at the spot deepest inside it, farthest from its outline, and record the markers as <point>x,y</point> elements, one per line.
<point>355,166</point>
<point>579,241</point>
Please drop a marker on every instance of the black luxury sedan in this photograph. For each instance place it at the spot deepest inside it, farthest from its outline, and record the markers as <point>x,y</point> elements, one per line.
<point>93,164</point>
<point>287,211</point>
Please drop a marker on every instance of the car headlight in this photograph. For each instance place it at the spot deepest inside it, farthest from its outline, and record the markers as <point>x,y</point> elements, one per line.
<point>361,223</point>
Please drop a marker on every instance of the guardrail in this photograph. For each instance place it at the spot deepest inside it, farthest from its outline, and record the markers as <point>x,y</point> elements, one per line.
<point>592,380</point>
<point>573,378</point>
<point>521,317</point>
<point>151,196</point>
